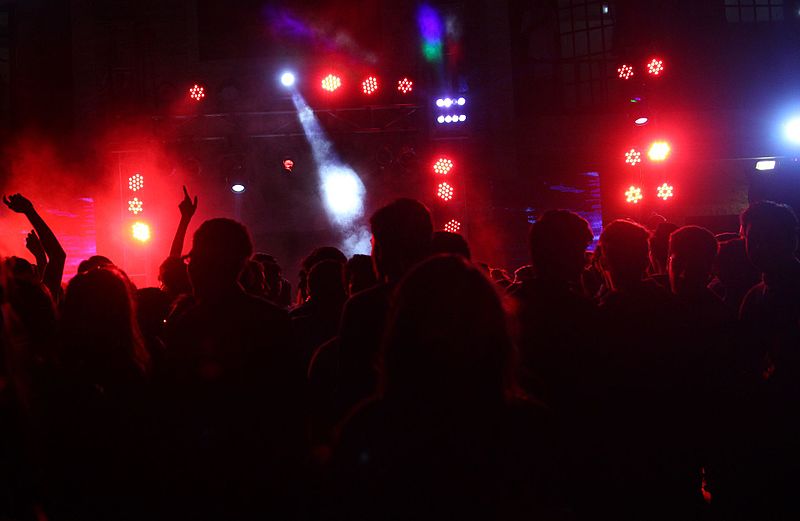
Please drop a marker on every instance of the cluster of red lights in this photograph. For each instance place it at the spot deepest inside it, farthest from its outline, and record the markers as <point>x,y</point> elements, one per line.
<point>135,182</point>
<point>654,68</point>
<point>331,82</point>
<point>135,206</point>
<point>442,166</point>
<point>140,231</point>
<point>445,192</point>
<point>197,92</point>
<point>453,226</point>
<point>634,194</point>
<point>370,85</point>
<point>405,85</point>
<point>633,157</point>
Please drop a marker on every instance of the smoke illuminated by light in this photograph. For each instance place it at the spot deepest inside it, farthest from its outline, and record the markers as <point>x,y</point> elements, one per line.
<point>140,231</point>
<point>342,189</point>
<point>792,130</point>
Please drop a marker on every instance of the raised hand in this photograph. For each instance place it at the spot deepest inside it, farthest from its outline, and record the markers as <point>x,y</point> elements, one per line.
<point>34,245</point>
<point>187,207</point>
<point>18,203</point>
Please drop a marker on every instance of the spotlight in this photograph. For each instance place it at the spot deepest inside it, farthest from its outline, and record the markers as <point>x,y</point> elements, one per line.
<point>135,206</point>
<point>659,151</point>
<point>448,102</point>
<point>370,85</point>
<point>792,130</point>
<point>641,121</point>
<point>625,72</point>
<point>766,164</point>
<point>452,226</point>
<point>140,231</point>
<point>331,82</point>
<point>633,157</point>
<point>136,182</point>
<point>405,85</point>
<point>445,192</point>
<point>440,102</point>
<point>442,166</point>
<point>664,191</point>
<point>288,164</point>
<point>287,79</point>
<point>633,195</point>
<point>461,101</point>
<point>197,92</point>
<point>440,119</point>
<point>655,67</point>
<point>237,188</point>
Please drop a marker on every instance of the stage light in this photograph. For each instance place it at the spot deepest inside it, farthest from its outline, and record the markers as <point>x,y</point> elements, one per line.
<point>655,67</point>
<point>452,118</point>
<point>197,92</point>
<point>440,119</point>
<point>405,85</point>
<point>462,118</point>
<point>331,82</point>
<point>625,72</point>
<point>658,151</point>
<point>633,157</point>
<point>633,195</point>
<point>448,119</point>
<point>445,192</point>
<point>461,101</point>
<point>641,121</point>
<point>452,226</point>
<point>792,130</point>
<point>766,164</point>
<point>448,102</point>
<point>136,182</point>
<point>288,164</point>
<point>287,79</point>
<point>442,166</point>
<point>440,102</point>
<point>140,231</point>
<point>135,206</point>
<point>664,191</point>
<point>370,85</point>
<point>237,188</point>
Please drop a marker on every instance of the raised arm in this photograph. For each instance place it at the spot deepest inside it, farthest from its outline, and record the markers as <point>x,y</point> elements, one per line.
<point>187,208</point>
<point>56,256</point>
<point>34,246</point>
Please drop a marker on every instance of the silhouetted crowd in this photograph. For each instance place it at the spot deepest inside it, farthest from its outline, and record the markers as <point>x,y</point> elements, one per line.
<point>656,378</point>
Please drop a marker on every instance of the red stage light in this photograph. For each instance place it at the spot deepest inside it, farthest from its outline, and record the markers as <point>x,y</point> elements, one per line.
<point>445,192</point>
<point>370,85</point>
<point>633,157</point>
<point>136,182</point>
<point>665,191</point>
<point>655,67</point>
<point>405,85</point>
<point>331,82</point>
<point>140,231</point>
<point>197,92</point>
<point>135,206</point>
<point>633,195</point>
<point>625,72</point>
<point>659,150</point>
<point>442,166</point>
<point>452,226</point>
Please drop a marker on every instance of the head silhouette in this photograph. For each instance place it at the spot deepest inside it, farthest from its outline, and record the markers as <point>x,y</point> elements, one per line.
<point>220,249</point>
<point>447,336</point>
<point>100,332</point>
<point>359,273</point>
<point>770,232</point>
<point>401,237</point>
<point>692,252</point>
<point>93,262</point>
<point>449,242</point>
<point>557,243</point>
<point>625,254</point>
<point>326,282</point>
<point>659,246</point>
<point>174,276</point>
